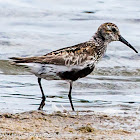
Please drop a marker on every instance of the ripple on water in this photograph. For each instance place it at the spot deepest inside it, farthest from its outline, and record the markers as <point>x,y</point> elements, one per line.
<point>33,28</point>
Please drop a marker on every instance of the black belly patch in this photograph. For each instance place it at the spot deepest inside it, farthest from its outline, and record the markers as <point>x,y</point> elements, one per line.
<point>75,74</point>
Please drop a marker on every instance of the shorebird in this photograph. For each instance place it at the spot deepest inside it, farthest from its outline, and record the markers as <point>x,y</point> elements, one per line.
<point>72,63</point>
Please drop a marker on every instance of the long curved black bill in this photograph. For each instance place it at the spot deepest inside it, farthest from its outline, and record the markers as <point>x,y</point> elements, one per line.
<point>126,43</point>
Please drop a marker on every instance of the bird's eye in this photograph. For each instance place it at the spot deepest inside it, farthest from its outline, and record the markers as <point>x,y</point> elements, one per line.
<point>113,29</point>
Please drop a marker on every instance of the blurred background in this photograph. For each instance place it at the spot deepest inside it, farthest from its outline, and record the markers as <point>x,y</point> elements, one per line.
<point>36,27</point>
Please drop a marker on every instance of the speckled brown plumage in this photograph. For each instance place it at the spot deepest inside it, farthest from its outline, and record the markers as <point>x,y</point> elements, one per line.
<point>75,55</point>
<point>72,63</point>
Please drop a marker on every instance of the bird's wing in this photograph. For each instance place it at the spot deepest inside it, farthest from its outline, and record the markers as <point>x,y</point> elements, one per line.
<point>74,55</point>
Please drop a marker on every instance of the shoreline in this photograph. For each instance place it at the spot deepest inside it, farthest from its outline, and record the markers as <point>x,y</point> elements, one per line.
<point>35,125</point>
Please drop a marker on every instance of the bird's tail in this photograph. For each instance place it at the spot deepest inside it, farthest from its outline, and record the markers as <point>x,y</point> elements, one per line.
<point>17,60</point>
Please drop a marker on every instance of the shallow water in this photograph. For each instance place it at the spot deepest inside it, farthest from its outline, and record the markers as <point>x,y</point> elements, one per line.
<point>33,27</point>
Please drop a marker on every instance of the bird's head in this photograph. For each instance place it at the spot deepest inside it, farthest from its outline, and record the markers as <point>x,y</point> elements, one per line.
<point>110,32</point>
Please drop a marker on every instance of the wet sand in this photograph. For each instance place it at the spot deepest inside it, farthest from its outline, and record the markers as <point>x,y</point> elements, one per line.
<point>38,125</point>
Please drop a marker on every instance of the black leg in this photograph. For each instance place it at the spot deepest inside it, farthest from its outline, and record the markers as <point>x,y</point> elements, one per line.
<point>43,96</point>
<point>69,95</point>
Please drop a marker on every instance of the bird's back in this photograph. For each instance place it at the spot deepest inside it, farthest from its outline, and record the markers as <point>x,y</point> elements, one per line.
<point>75,55</point>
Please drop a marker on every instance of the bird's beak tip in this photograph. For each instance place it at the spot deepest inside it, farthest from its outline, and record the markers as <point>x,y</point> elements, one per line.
<point>127,43</point>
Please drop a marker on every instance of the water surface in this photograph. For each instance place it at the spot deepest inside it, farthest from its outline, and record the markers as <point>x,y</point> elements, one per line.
<point>33,28</point>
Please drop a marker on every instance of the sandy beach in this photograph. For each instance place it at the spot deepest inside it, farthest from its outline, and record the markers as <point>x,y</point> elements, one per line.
<point>107,100</point>
<point>38,125</point>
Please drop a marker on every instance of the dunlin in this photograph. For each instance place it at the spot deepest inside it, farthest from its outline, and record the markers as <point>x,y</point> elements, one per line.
<point>72,63</point>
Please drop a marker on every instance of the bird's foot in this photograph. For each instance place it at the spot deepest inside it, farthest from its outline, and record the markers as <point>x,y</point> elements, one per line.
<point>42,104</point>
